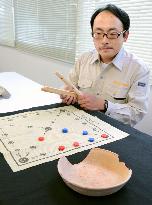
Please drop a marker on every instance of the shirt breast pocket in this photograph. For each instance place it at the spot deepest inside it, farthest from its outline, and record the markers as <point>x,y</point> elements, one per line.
<point>117,93</point>
<point>85,85</point>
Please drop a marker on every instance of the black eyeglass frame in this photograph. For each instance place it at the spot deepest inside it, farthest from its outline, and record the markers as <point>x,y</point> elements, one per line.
<point>106,34</point>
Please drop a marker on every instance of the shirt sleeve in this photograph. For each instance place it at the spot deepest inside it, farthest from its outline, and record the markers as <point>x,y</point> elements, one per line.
<point>137,103</point>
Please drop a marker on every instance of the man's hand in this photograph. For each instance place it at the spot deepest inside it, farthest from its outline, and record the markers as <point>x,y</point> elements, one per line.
<point>68,99</point>
<point>91,102</point>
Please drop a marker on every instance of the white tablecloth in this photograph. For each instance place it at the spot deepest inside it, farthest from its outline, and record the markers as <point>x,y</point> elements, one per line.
<point>25,93</point>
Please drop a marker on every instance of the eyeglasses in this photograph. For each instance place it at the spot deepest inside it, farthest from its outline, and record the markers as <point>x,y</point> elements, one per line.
<point>109,35</point>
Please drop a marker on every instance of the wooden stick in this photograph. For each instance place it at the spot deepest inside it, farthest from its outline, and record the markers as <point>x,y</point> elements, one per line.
<point>68,83</point>
<point>58,91</point>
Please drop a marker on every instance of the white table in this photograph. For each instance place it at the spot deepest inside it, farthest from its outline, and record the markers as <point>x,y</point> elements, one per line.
<point>25,93</point>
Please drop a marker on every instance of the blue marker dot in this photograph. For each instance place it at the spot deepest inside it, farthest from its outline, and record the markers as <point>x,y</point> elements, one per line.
<point>64,130</point>
<point>85,132</point>
<point>91,139</point>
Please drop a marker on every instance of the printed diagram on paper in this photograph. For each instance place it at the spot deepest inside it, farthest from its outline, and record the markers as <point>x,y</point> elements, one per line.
<point>35,137</point>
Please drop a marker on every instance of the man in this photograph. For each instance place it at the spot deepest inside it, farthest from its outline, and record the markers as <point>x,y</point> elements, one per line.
<point>111,79</point>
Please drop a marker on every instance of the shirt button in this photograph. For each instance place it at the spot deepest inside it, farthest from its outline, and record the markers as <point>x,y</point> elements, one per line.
<point>98,93</point>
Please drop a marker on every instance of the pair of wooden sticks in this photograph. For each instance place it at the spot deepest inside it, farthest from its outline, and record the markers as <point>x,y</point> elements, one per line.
<point>73,93</point>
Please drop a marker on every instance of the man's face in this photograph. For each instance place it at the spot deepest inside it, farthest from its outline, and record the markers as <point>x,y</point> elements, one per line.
<point>106,22</point>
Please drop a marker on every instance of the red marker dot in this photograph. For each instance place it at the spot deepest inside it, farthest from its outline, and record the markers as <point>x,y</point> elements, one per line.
<point>61,148</point>
<point>104,135</point>
<point>76,144</point>
<point>41,138</point>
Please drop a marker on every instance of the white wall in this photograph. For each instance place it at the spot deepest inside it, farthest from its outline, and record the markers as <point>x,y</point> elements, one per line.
<point>36,68</point>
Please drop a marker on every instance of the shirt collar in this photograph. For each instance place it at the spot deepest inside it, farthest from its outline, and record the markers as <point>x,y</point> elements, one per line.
<point>95,57</point>
<point>117,61</point>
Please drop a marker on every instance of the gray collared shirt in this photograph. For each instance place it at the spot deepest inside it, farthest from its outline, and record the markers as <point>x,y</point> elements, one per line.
<point>124,83</point>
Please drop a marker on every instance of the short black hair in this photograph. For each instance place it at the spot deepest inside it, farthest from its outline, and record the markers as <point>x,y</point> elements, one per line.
<point>118,12</point>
